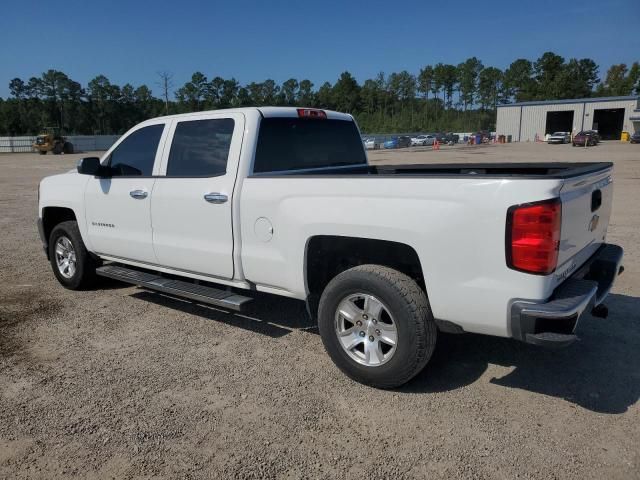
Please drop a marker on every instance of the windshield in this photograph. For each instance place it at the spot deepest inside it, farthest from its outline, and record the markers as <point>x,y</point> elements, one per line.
<point>302,143</point>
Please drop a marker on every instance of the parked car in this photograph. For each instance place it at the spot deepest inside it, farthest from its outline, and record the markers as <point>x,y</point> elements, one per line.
<point>214,206</point>
<point>441,138</point>
<point>391,143</point>
<point>635,138</point>
<point>404,141</point>
<point>370,143</point>
<point>422,140</point>
<point>581,138</point>
<point>447,138</point>
<point>398,142</point>
<point>595,135</point>
<point>452,138</point>
<point>559,137</point>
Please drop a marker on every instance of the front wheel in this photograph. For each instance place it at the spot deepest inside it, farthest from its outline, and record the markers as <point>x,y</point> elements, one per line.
<point>72,264</point>
<point>376,325</point>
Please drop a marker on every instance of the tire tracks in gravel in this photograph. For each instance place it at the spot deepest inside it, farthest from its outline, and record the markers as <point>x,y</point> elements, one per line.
<point>17,311</point>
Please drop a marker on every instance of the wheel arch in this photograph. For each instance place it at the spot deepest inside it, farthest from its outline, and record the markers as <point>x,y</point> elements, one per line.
<point>326,256</point>
<point>52,216</point>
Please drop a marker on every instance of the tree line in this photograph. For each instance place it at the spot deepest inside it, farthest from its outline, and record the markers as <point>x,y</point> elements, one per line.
<point>439,97</point>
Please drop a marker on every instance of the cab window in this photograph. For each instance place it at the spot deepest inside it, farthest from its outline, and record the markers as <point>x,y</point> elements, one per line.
<point>136,154</point>
<point>200,148</point>
<point>298,143</point>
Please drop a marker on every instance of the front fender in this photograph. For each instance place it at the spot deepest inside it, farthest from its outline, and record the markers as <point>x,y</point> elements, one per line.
<point>65,191</point>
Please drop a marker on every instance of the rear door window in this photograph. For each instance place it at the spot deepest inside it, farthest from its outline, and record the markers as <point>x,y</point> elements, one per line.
<point>301,143</point>
<point>200,148</point>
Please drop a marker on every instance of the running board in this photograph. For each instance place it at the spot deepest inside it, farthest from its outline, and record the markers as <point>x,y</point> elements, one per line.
<point>179,288</point>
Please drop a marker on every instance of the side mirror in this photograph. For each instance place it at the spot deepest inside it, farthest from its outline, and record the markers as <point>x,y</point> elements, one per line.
<point>91,166</point>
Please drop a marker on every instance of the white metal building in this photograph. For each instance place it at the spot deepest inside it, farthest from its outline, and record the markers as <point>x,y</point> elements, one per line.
<point>610,116</point>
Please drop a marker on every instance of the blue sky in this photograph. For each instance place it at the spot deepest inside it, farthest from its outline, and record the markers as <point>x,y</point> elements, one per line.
<point>255,40</point>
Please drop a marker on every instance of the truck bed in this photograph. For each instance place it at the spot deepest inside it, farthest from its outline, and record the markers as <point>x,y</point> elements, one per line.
<point>489,170</point>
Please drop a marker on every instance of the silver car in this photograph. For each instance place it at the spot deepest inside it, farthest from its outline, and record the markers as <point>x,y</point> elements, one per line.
<point>422,140</point>
<point>559,137</point>
<point>370,143</point>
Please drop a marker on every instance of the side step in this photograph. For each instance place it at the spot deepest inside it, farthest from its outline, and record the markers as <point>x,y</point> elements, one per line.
<point>179,288</point>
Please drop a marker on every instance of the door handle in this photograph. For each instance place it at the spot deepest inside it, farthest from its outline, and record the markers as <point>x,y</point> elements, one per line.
<point>139,194</point>
<point>216,197</point>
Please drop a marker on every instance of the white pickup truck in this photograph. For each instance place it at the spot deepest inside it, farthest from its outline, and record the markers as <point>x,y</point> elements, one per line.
<point>211,206</point>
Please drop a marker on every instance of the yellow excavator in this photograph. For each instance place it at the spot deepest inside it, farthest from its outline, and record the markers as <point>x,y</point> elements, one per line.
<point>50,140</point>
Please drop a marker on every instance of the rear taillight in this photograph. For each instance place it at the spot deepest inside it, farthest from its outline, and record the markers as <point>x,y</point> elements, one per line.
<point>311,113</point>
<point>533,236</point>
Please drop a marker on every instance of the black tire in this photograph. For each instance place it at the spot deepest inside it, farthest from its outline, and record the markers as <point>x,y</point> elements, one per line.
<point>57,149</point>
<point>67,147</point>
<point>85,265</point>
<point>42,152</point>
<point>409,306</point>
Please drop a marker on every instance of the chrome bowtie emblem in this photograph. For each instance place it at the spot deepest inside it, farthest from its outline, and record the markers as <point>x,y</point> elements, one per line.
<point>593,224</point>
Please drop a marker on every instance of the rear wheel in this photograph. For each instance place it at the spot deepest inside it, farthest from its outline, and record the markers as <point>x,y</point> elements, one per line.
<point>72,264</point>
<point>57,149</point>
<point>67,147</point>
<point>376,325</point>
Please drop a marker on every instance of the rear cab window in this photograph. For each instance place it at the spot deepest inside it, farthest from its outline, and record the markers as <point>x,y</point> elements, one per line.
<point>287,144</point>
<point>200,148</point>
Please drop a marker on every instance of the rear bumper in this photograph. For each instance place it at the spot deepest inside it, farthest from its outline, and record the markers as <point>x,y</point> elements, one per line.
<point>554,322</point>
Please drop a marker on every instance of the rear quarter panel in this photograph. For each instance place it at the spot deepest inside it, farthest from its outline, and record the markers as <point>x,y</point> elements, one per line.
<point>456,225</point>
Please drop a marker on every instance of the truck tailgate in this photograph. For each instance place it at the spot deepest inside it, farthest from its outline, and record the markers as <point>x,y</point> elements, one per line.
<point>586,207</point>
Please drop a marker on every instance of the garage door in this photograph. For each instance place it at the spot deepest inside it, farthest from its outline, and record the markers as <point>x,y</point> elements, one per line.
<point>608,122</point>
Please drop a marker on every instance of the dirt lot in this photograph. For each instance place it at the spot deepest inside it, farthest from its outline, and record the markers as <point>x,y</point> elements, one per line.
<point>121,383</point>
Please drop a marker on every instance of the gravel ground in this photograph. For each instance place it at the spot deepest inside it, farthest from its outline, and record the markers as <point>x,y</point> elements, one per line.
<point>120,383</point>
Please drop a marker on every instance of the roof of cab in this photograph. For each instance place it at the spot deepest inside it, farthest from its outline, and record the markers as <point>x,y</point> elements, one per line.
<point>267,112</point>
<point>293,112</point>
